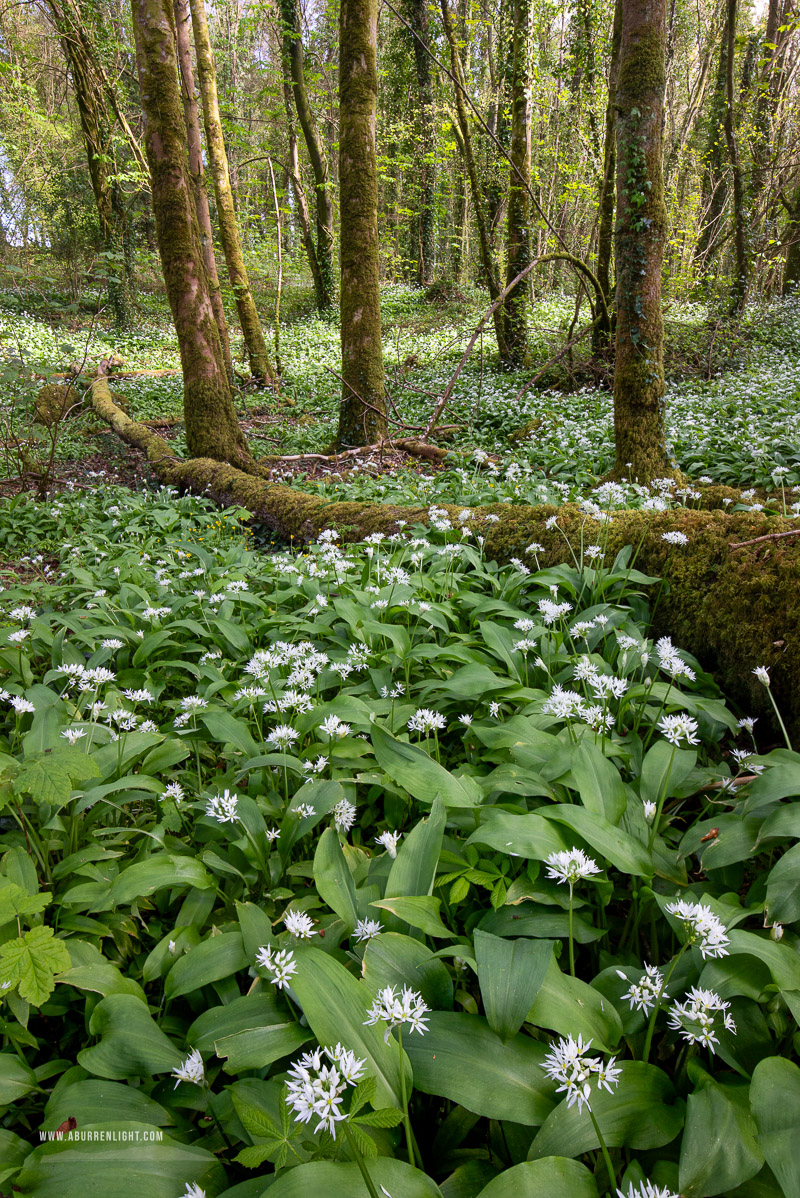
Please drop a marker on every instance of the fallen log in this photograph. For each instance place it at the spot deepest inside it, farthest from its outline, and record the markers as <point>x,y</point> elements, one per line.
<point>733,611</point>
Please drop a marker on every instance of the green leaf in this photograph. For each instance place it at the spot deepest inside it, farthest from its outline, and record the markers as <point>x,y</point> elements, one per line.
<point>216,958</point>
<point>333,879</point>
<point>31,962</point>
<point>260,1047</point>
<point>241,1014</point>
<point>462,1059</point>
<point>16,1079</point>
<point>420,911</point>
<point>664,769</point>
<point>15,901</point>
<point>642,1113</point>
<point>552,1176</point>
<point>92,1101</point>
<point>413,871</point>
<point>386,1117</point>
<point>519,835</point>
<point>719,1150</point>
<point>146,877</point>
<point>393,959</point>
<point>131,1042</point>
<point>775,1102</point>
<point>783,888</point>
<point>345,1181</point>
<point>335,1005</point>
<point>116,1167</point>
<point>227,729</point>
<point>612,843</point>
<point>510,974</point>
<point>45,779</point>
<point>570,1007</point>
<point>598,782</point>
<point>419,774</point>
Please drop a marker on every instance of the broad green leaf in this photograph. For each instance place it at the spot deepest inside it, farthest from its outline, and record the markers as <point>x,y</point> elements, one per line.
<point>146,877</point>
<point>612,843</point>
<point>227,729</point>
<point>93,1101</point>
<point>15,901</point>
<point>414,869</point>
<point>568,1006</point>
<point>131,1042</point>
<point>520,835</point>
<point>462,1059</point>
<point>421,776</point>
<point>336,1005</point>
<point>510,973</point>
<point>333,879</point>
<point>215,958</point>
<point>719,1150</point>
<point>664,768</point>
<point>420,911</point>
<point>779,782</point>
<point>467,682</point>
<point>782,962</point>
<point>553,1176</point>
<point>598,782</point>
<point>16,1079</point>
<point>783,888</point>
<point>92,971</point>
<point>116,1167</point>
<point>260,1047</point>
<point>336,1180</point>
<point>392,959</point>
<point>46,779</point>
<point>643,1112</point>
<point>239,1015</point>
<point>775,1103</point>
<point>31,962</point>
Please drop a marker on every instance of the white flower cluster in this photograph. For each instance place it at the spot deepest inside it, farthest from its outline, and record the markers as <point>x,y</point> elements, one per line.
<point>190,1070</point>
<point>646,1189</point>
<point>281,964</point>
<point>644,994</point>
<point>568,1063</point>
<point>425,721</point>
<point>316,1089</point>
<point>695,1017</point>
<point>395,1010</point>
<point>571,865</point>
<point>702,927</point>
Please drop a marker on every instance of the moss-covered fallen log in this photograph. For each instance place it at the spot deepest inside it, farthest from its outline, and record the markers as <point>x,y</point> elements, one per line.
<point>733,609</point>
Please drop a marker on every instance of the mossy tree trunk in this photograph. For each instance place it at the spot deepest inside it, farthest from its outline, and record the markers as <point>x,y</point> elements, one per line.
<point>423,224</point>
<point>293,174</point>
<point>96,126</point>
<point>639,244</point>
<point>322,269</point>
<point>226,212</point>
<point>362,414</point>
<point>518,243</point>
<point>714,186</point>
<point>741,280</point>
<point>192,122</point>
<point>605,223</point>
<point>212,429</point>
<point>791,271</point>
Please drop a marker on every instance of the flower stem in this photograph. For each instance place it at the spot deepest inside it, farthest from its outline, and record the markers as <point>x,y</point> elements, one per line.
<point>780,721</point>
<point>654,1013</point>
<point>404,1101</point>
<point>373,1193</point>
<point>612,1176</point>
<point>571,940</point>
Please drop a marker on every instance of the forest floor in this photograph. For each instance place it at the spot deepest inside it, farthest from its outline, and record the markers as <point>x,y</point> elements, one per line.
<point>731,405</point>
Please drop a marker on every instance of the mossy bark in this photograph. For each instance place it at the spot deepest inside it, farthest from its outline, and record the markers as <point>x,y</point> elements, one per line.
<point>322,268</point>
<point>639,245</point>
<point>733,609</point>
<point>423,221</point>
<point>605,220</point>
<point>252,332</point>
<point>791,272</point>
<point>714,186</point>
<point>518,240</point>
<point>362,413</point>
<point>293,172</point>
<point>741,278</point>
<point>196,174</point>
<point>212,429</point>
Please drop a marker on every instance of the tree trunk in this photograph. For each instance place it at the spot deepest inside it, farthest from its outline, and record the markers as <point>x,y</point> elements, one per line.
<point>518,243</point>
<point>192,123</point>
<point>639,245</point>
<point>791,272</point>
<point>362,414</point>
<point>323,202</point>
<point>212,429</point>
<point>423,224</point>
<point>293,173</point>
<point>458,237</point>
<point>484,238</point>
<point>742,277</point>
<point>605,228</point>
<point>226,213</point>
<point>714,187</point>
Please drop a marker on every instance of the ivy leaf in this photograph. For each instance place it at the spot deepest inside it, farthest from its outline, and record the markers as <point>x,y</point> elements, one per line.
<point>31,962</point>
